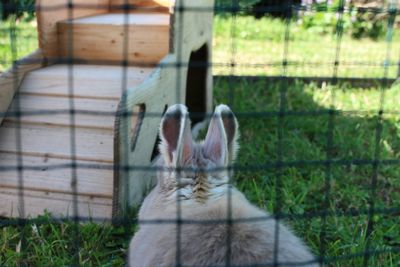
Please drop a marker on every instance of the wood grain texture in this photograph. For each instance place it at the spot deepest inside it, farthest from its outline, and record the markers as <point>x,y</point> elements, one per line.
<point>59,205</point>
<point>49,12</point>
<point>161,4</point>
<point>43,140</point>
<point>11,79</point>
<point>105,37</point>
<point>47,174</point>
<point>48,110</point>
<point>88,81</point>
<point>119,19</point>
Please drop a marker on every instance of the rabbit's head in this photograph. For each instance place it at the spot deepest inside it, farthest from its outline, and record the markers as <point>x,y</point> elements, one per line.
<point>191,170</point>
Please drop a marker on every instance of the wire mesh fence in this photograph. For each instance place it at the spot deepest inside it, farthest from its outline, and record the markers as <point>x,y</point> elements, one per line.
<point>313,154</point>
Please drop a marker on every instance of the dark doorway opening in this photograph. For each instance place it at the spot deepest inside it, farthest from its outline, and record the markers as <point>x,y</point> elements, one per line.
<point>196,85</point>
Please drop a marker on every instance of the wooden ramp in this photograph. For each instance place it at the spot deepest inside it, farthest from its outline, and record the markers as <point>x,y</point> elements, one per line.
<point>42,137</point>
<point>63,139</point>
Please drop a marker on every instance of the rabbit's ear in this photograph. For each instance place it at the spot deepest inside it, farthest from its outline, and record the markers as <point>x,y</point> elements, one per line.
<point>221,143</point>
<point>176,139</point>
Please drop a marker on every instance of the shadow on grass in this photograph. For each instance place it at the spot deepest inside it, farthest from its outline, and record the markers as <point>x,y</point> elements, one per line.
<point>304,187</point>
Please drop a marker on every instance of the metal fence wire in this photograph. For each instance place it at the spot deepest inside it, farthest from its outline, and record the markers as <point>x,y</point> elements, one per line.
<point>283,78</point>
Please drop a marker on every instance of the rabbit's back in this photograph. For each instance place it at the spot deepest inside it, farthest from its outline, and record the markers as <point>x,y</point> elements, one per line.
<point>249,240</point>
<point>206,239</point>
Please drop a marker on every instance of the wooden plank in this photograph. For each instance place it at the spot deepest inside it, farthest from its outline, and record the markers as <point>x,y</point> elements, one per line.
<point>91,182</point>
<point>59,205</point>
<point>11,79</point>
<point>88,81</point>
<point>162,5</point>
<point>118,19</point>
<point>52,106</point>
<point>90,144</point>
<point>49,12</point>
<point>102,38</point>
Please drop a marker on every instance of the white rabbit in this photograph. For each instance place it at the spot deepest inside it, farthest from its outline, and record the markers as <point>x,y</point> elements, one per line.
<point>195,174</point>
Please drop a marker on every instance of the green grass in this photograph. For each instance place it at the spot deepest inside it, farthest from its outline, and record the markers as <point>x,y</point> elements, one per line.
<point>257,46</point>
<point>23,37</point>
<point>295,190</point>
<point>51,243</point>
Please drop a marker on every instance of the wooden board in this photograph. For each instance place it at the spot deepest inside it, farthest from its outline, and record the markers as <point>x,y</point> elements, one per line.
<point>12,78</point>
<point>43,140</point>
<point>56,111</point>
<point>50,175</point>
<point>88,81</point>
<point>60,205</point>
<point>119,19</point>
<point>49,12</point>
<point>103,38</point>
<point>159,5</point>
